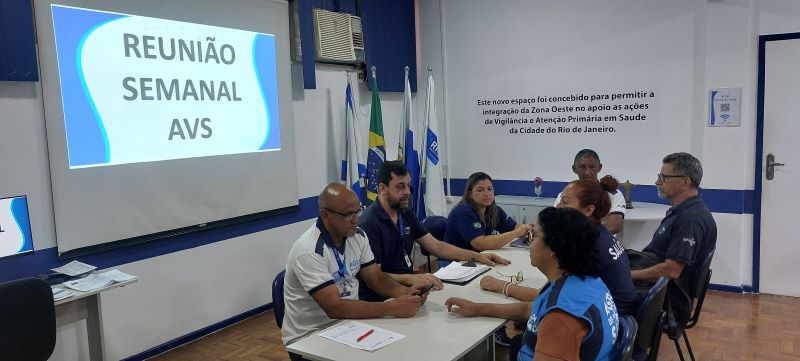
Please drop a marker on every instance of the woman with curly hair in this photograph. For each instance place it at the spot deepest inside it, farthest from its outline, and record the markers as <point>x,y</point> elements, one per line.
<point>574,315</point>
<point>590,198</point>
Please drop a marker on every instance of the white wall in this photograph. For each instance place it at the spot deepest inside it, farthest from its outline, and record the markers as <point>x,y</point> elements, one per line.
<point>680,48</point>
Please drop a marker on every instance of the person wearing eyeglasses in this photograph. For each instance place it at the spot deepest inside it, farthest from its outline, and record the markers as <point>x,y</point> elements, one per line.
<point>477,223</point>
<point>685,237</point>
<point>587,166</point>
<point>590,198</point>
<point>574,316</point>
<point>321,284</point>
<point>392,230</point>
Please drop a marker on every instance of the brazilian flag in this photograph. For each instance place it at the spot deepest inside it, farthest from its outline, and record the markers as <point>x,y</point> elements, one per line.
<point>377,145</point>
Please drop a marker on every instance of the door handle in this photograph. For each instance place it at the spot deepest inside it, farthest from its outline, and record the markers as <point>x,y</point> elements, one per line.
<point>771,164</point>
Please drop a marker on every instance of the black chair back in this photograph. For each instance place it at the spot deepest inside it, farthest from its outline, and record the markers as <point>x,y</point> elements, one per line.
<point>278,305</point>
<point>701,281</point>
<point>623,347</point>
<point>27,320</point>
<point>436,225</point>
<point>650,316</point>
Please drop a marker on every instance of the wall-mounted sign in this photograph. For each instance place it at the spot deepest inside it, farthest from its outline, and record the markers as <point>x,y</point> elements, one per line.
<point>725,105</point>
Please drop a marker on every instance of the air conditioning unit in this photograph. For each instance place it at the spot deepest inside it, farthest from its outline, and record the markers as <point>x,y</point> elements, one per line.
<point>339,38</point>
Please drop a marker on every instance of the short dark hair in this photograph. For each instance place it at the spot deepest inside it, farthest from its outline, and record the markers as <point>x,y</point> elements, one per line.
<point>388,168</point>
<point>687,165</point>
<point>586,153</point>
<point>571,236</point>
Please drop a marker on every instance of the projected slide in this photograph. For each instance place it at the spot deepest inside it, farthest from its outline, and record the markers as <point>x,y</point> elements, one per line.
<point>139,89</point>
<point>15,227</point>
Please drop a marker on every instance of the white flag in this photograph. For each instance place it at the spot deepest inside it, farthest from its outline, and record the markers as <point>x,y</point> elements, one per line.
<point>354,169</point>
<point>434,184</point>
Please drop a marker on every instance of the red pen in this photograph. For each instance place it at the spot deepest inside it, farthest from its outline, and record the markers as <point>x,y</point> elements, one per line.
<point>362,337</point>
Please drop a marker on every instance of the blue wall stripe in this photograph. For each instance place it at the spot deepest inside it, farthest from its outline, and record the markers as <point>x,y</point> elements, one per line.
<point>732,289</point>
<point>41,261</point>
<point>180,341</point>
<point>718,200</point>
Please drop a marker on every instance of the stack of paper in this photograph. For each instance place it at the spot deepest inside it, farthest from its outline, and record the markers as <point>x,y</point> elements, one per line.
<point>361,335</point>
<point>455,272</point>
<point>60,293</point>
<point>98,280</point>
<point>117,276</point>
<point>74,268</point>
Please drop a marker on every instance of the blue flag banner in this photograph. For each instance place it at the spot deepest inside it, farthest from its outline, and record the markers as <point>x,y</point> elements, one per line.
<point>353,170</point>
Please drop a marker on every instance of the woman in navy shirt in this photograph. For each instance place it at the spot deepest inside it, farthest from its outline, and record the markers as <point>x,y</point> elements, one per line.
<point>477,223</point>
<point>590,197</point>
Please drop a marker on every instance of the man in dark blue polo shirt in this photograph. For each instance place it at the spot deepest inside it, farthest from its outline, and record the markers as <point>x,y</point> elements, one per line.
<point>392,230</point>
<point>686,236</point>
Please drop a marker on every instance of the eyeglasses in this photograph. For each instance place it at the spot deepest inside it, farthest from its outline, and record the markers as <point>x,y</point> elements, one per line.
<point>347,216</point>
<point>665,177</point>
<point>515,279</point>
<point>583,168</point>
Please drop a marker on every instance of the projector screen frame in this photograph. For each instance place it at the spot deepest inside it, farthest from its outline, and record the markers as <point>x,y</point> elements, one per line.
<point>198,229</point>
<point>278,190</point>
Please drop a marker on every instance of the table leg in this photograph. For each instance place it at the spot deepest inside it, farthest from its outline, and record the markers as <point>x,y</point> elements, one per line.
<point>94,328</point>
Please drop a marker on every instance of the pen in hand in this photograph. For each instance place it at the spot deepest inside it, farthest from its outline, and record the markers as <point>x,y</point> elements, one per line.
<point>362,337</point>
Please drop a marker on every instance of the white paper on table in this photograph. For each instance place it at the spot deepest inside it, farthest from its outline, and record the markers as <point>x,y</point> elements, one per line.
<point>349,333</point>
<point>89,283</point>
<point>116,275</point>
<point>74,268</point>
<point>458,273</point>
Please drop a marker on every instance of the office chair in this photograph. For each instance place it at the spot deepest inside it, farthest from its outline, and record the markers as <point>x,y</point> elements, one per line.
<point>277,297</point>
<point>27,320</point>
<point>623,347</point>
<point>650,318</point>
<point>698,288</point>
<point>436,225</point>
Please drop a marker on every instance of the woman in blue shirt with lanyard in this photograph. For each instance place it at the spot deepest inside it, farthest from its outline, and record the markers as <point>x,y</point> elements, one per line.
<point>477,223</point>
<point>573,317</point>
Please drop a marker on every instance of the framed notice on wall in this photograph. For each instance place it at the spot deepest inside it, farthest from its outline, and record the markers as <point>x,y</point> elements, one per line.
<point>724,107</point>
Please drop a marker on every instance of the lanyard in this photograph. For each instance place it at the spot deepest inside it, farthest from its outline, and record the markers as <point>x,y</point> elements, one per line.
<point>342,269</point>
<point>402,230</point>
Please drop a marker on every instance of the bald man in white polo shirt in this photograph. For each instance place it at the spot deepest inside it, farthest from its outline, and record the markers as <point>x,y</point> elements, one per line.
<point>321,284</point>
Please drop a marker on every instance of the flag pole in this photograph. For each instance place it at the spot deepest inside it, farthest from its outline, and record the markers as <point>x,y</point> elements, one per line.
<point>424,149</point>
<point>401,139</point>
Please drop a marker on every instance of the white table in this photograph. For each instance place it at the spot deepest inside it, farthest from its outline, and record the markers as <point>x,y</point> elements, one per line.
<point>87,306</point>
<point>638,226</point>
<point>434,333</point>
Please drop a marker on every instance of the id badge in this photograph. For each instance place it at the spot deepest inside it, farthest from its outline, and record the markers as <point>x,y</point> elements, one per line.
<point>408,260</point>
